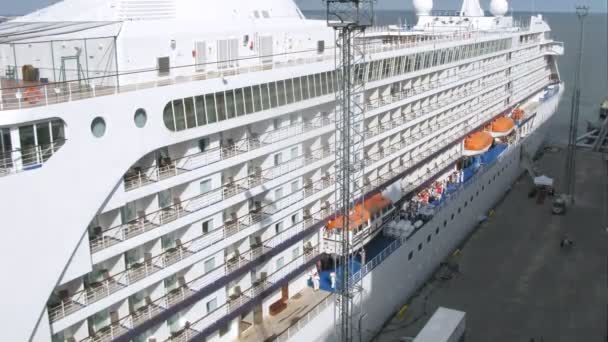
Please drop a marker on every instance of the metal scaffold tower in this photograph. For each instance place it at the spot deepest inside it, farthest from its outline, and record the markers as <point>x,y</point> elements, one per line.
<point>570,174</point>
<point>349,20</point>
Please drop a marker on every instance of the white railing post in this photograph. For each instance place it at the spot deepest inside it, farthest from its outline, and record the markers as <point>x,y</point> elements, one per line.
<point>69,91</point>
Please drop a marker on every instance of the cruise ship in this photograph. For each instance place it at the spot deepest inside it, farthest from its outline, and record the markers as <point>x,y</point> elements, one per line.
<point>168,165</point>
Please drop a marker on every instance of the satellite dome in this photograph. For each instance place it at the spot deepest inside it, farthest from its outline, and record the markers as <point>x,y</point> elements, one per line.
<point>423,7</point>
<point>499,7</point>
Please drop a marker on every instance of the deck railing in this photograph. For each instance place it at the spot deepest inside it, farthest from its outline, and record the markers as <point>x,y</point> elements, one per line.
<point>249,293</point>
<point>28,158</point>
<point>122,232</point>
<point>138,271</point>
<point>60,92</point>
<point>141,177</point>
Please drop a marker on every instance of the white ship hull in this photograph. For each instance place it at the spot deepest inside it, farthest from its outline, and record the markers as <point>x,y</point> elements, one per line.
<point>395,279</point>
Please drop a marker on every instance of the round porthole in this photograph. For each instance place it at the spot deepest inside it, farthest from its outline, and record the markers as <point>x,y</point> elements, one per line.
<point>140,118</point>
<point>98,127</point>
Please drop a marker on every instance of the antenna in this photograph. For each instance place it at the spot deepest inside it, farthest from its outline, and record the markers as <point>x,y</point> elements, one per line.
<point>349,20</point>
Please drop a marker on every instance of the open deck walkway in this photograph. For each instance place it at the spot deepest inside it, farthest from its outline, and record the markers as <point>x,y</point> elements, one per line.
<point>516,283</point>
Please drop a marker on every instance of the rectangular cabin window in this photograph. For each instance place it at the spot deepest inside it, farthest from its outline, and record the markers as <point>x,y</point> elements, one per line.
<point>295,253</point>
<point>265,97</point>
<point>295,186</point>
<point>305,90</point>
<point>210,106</point>
<point>207,226</point>
<point>190,112</point>
<point>205,186</point>
<point>209,265</point>
<point>230,106</point>
<point>280,263</point>
<point>278,227</point>
<point>164,198</point>
<point>318,84</point>
<point>272,89</point>
<point>211,305</point>
<point>199,102</point>
<point>281,93</point>
<point>257,98</point>
<point>202,144</point>
<point>220,105</point>
<point>239,101</point>
<point>249,100</point>
<point>57,130</point>
<point>332,79</point>
<point>289,91</point>
<point>27,137</point>
<point>294,153</point>
<point>297,90</point>
<point>178,112</point>
<point>6,147</point>
<point>324,83</point>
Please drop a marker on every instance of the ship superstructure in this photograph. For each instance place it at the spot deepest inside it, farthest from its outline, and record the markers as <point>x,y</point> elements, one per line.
<point>170,163</point>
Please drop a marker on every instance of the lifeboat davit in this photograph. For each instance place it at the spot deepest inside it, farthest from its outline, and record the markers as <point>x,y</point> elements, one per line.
<point>361,213</point>
<point>501,127</point>
<point>477,143</point>
<point>518,114</point>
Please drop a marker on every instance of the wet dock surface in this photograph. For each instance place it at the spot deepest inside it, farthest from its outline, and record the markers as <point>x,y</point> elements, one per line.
<point>516,283</point>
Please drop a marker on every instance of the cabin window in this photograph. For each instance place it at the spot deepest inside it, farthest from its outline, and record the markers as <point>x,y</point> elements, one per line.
<point>280,263</point>
<point>420,246</point>
<point>178,113</point>
<point>410,256</point>
<point>190,112</point>
<point>230,104</point>
<point>211,305</point>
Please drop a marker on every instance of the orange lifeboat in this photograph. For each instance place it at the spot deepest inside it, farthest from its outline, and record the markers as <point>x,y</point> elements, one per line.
<point>501,127</point>
<point>518,114</point>
<point>361,213</point>
<point>477,143</point>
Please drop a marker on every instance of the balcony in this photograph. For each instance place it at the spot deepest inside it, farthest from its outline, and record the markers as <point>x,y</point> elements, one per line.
<point>255,291</point>
<point>182,251</point>
<point>145,223</point>
<point>138,177</point>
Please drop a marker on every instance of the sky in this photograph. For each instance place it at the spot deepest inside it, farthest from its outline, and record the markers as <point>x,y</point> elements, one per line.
<point>26,6</point>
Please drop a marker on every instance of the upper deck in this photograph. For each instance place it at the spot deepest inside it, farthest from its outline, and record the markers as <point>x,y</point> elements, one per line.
<point>62,70</point>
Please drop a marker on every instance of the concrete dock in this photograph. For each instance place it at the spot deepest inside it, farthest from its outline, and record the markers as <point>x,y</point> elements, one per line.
<point>516,283</point>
